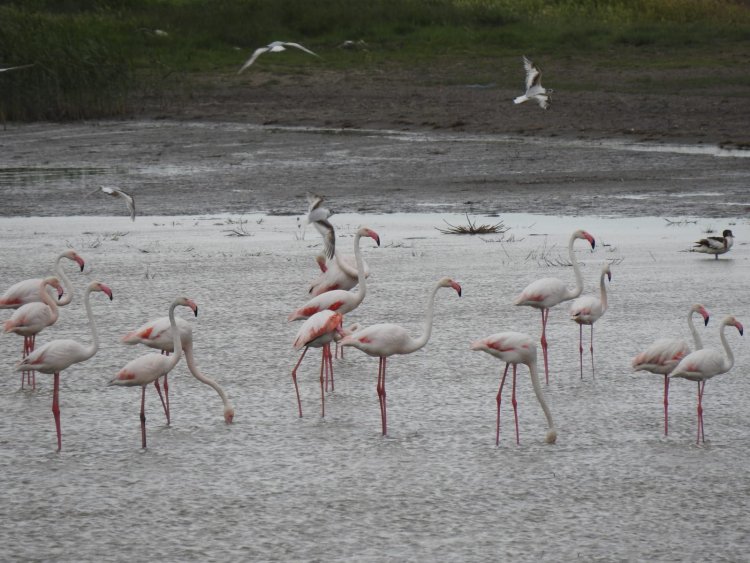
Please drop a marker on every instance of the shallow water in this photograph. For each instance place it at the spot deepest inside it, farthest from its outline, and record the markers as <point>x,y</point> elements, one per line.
<point>273,486</point>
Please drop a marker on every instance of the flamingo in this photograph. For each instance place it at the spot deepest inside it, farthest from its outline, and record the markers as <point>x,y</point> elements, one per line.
<point>664,355</point>
<point>545,293</point>
<point>534,88</point>
<point>338,273</point>
<point>30,319</point>
<point>59,355</point>
<point>715,245</point>
<point>516,348</point>
<point>317,332</point>
<point>317,216</point>
<point>588,309</point>
<point>702,365</point>
<point>150,367</point>
<point>27,291</point>
<point>385,340</point>
<point>274,47</point>
<point>157,334</point>
<point>339,300</point>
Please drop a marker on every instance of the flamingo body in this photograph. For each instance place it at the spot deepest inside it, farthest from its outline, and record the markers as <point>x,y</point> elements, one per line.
<point>338,273</point>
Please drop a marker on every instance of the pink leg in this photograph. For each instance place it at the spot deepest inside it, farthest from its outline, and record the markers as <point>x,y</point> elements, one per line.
<point>385,403</point>
<point>143,416</point>
<point>381,393</point>
<point>166,396</point>
<point>323,380</point>
<point>701,434</point>
<point>330,365</point>
<point>499,399</point>
<point>56,409</point>
<point>592,351</point>
<point>580,346</point>
<point>163,404</point>
<point>666,405</point>
<point>294,379</point>
<point>33,373</point>
<point>515,403</point>
<point>545,315</point>
<point>24,353</point>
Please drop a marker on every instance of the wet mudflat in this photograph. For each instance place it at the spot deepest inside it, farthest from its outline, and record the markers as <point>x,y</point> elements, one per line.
<point>276,487</point>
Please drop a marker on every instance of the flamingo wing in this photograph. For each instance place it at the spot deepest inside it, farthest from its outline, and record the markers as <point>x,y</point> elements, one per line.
<point>55,356</point>
<point>143,370</point>
<point>701,364</point>
<point>662,356</point>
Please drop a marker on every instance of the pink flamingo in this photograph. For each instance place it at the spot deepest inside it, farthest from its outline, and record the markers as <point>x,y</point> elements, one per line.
<point>317,332</point>
<point>702,365</point>
<point>516,348</point>
<point>664,355</point>
<point>157,334</point>
<point>338,273</point>
<point>385,340</point>
<point>59,355</point>
<point>588,309</point>
<point>339,300</point>
<point>27,291</point>
<point>30,319</point>
<point>150,367</point>
<point>545,293</point>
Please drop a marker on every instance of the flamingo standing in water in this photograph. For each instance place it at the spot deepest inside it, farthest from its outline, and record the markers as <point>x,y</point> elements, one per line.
<point>545,293</point>
<point>59,355</point>
<point>317,332</point>
<point>30,319</point>
<point>150,367</point>
<point>516,348</point>
<point>588,309</point>
<point>27,291</point>
<point>664,355</point>
<point>385,340</point>
<point>157,334</point>
<point>702,365</point>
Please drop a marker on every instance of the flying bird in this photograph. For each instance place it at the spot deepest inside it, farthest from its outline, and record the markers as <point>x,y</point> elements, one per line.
<point>115,192</point>
<point>534,88</point>
<point>275,47</point>
<point>317,216</point>
<point>16,67</point>
<point>715,245</point>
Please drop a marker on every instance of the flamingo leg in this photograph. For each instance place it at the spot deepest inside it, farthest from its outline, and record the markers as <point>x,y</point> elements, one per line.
<point>701,434</point>
<point>166,395</point>
<point>143,417</point>
<point>545,315</point>
<point>499,400</point>
<point>294,379</point>
<point>593,374</point>
<point>381,394</point>
<point>163,403</point>
<point>323,380</point>
<point>385,408</point>
<point>666,404</point>
<point>515,403</point>
<point>580,347</point>
<point>56,409</point>
<point>330,364</point>
<point>24,353</point>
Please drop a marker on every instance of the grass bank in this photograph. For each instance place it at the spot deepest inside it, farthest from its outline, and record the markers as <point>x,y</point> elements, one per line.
<point>92,58</point>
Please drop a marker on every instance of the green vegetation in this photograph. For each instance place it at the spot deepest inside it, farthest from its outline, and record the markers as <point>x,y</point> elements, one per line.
<point>93,57</point>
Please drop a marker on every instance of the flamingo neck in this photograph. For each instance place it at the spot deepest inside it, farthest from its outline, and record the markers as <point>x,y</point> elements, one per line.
<point>603,291</point>
<point>576,270</point>
<point>552,432</point>
<point>418,343</point>
<point>67,284</point>
<point>729,362</point>
<point>48,300</point>
<point>91,350</point>
<point>696,337</point>
<point>345,267</point>
<point>361,278</point>
<point>176,340</point>
<point>190,360</point>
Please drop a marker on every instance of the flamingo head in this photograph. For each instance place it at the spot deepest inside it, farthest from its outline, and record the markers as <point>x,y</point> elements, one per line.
<point>551,437</point>
<point>698,308</point>
<point>73,255</point>
<point>447,282</point>
<point>99,286</point>
<point>54,282</point>
<point>584,235</point>
<point>731,321</point>
<point>184,301</point>
<point>366,232</point>
<point>229,414</point>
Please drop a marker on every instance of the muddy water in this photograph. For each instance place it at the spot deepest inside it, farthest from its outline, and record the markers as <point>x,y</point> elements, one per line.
<point>188,168</point>
<point>276,487</point>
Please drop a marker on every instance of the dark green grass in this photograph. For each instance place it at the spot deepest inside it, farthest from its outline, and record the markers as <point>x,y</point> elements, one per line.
<point>93,57</point>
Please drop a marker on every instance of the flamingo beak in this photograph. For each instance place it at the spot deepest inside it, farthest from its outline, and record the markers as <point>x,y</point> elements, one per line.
<point>107,291</point>
<point>609,276</point>
<point>739,326</point>
<point>592,241</point>
<point>375,237</point>
<point>705,320</point>
<point>80,262</point>
<point>457,287</point>
<point>196,310</point>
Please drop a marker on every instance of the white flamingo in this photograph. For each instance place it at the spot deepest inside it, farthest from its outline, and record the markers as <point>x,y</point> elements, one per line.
<point>702,365</point>
<point>545,293</point>
<point>663,355</point>
<point>385,340</point>
<point>516,348</point>
<point>59,355</point>
<point>588,309</point>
